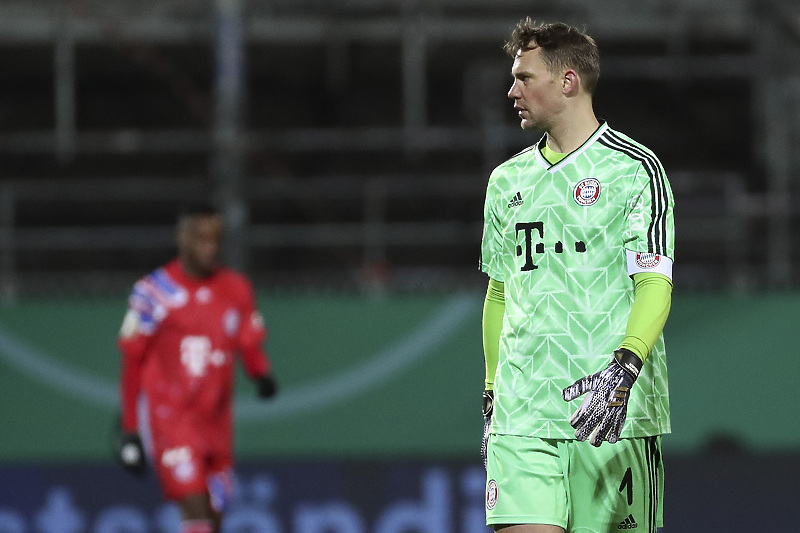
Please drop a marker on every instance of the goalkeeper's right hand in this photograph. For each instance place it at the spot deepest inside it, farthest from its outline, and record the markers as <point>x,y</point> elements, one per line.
<point>130,453</point>
<point>488,409</point>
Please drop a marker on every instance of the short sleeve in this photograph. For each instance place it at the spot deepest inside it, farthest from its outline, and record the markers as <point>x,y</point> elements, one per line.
<point>144,311</point>
<point>650,236</point>
<point>491,241</point>
<point>252,330</point>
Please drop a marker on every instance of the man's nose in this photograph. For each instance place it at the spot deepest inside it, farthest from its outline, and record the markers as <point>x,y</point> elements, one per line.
<point>512,91</point>
<point>209,248</point>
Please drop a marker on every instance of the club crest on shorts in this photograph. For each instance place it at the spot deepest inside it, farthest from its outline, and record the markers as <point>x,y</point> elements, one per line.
<point>491,494</point>
<point>180,462</point>
<point>647,260</point>
<point>587,191</point>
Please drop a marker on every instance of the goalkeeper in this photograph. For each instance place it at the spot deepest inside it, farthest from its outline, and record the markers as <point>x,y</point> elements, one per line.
<point>578,245</point>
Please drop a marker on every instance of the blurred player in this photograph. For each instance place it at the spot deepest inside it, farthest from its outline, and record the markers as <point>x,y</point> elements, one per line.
<point>578,245</point>
<point>186,323</point>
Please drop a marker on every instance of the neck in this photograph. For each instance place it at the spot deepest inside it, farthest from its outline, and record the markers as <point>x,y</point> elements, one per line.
<point>569,134</point>
<point>193,271</point>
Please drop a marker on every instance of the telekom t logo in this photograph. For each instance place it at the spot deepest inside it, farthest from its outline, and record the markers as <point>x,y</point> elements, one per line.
<point>196,355</point>
<point>528,228</point>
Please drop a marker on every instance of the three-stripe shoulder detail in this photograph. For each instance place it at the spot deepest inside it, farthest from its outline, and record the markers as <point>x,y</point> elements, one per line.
<point>657,231</point>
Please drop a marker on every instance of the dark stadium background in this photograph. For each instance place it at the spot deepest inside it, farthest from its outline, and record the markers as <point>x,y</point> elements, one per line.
<point>349,145</point>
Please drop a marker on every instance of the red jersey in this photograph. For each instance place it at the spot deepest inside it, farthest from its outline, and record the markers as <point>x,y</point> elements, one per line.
<point>179,340</point>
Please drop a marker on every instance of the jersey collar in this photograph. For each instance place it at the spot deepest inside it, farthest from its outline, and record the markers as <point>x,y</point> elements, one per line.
<point>177,272</point>
<point>572,155</point>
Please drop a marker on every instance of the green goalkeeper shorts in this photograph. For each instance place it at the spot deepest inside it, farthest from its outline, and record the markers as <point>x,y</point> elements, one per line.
<point>572,484</point>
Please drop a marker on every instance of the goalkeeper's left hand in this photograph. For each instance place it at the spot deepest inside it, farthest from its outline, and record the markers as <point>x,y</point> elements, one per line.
<point>602,413</point>
<point>488,409</point>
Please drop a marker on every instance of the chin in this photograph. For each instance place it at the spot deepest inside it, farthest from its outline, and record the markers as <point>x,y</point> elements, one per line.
<point>529,125</point>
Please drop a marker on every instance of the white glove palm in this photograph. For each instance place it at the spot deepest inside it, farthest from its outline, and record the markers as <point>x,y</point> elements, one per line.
<point>602,413</point>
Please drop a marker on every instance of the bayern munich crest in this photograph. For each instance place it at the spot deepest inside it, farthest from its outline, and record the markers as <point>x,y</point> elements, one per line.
<point>491,494</point>
<point>230,322</point>
<point>587,191</point>
<point>647,260</point>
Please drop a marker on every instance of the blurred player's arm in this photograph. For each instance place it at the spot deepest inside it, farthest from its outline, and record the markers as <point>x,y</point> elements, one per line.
<point>252,336</point>
<point>132,345</point>
<point>494,307</point>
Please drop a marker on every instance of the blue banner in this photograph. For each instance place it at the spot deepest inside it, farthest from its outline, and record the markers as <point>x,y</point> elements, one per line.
<point>731,492</point>
<point>281,498</point>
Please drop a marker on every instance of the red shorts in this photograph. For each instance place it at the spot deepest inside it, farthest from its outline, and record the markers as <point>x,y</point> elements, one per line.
<point>191,458</point>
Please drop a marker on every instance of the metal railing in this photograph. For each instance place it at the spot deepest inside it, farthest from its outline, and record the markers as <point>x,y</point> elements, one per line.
<point>417,27</point>
<point>713,213</point>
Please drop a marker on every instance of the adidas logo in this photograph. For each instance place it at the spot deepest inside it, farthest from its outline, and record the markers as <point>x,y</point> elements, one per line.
<point>516,200</point>
<point>628,523</point>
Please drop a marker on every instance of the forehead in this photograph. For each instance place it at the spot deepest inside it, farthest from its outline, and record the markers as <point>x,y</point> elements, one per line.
<point>528,61</point>
<point>203,223</point>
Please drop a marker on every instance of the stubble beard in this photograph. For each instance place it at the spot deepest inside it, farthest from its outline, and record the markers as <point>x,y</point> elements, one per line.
<point>531,125</point>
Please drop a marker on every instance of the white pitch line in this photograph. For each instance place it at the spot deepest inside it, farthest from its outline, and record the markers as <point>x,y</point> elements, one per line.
<point>325,392</point>
<point>40,367</point>
<point>322,393</point>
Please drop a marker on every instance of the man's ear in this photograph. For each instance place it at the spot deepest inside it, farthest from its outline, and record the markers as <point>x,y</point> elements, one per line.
<point>570,82</point>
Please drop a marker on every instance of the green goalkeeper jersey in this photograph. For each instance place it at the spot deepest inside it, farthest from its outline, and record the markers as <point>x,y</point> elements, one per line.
<point>565,240</point>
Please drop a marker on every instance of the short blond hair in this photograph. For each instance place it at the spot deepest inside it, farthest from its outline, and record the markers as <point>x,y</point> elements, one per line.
<point>563,46</point>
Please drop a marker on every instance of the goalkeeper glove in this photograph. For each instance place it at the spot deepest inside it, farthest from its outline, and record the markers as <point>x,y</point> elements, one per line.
<point>130,453</point>
<point>602,413</point>
<point>267,388</point>
<point>488,409</point>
